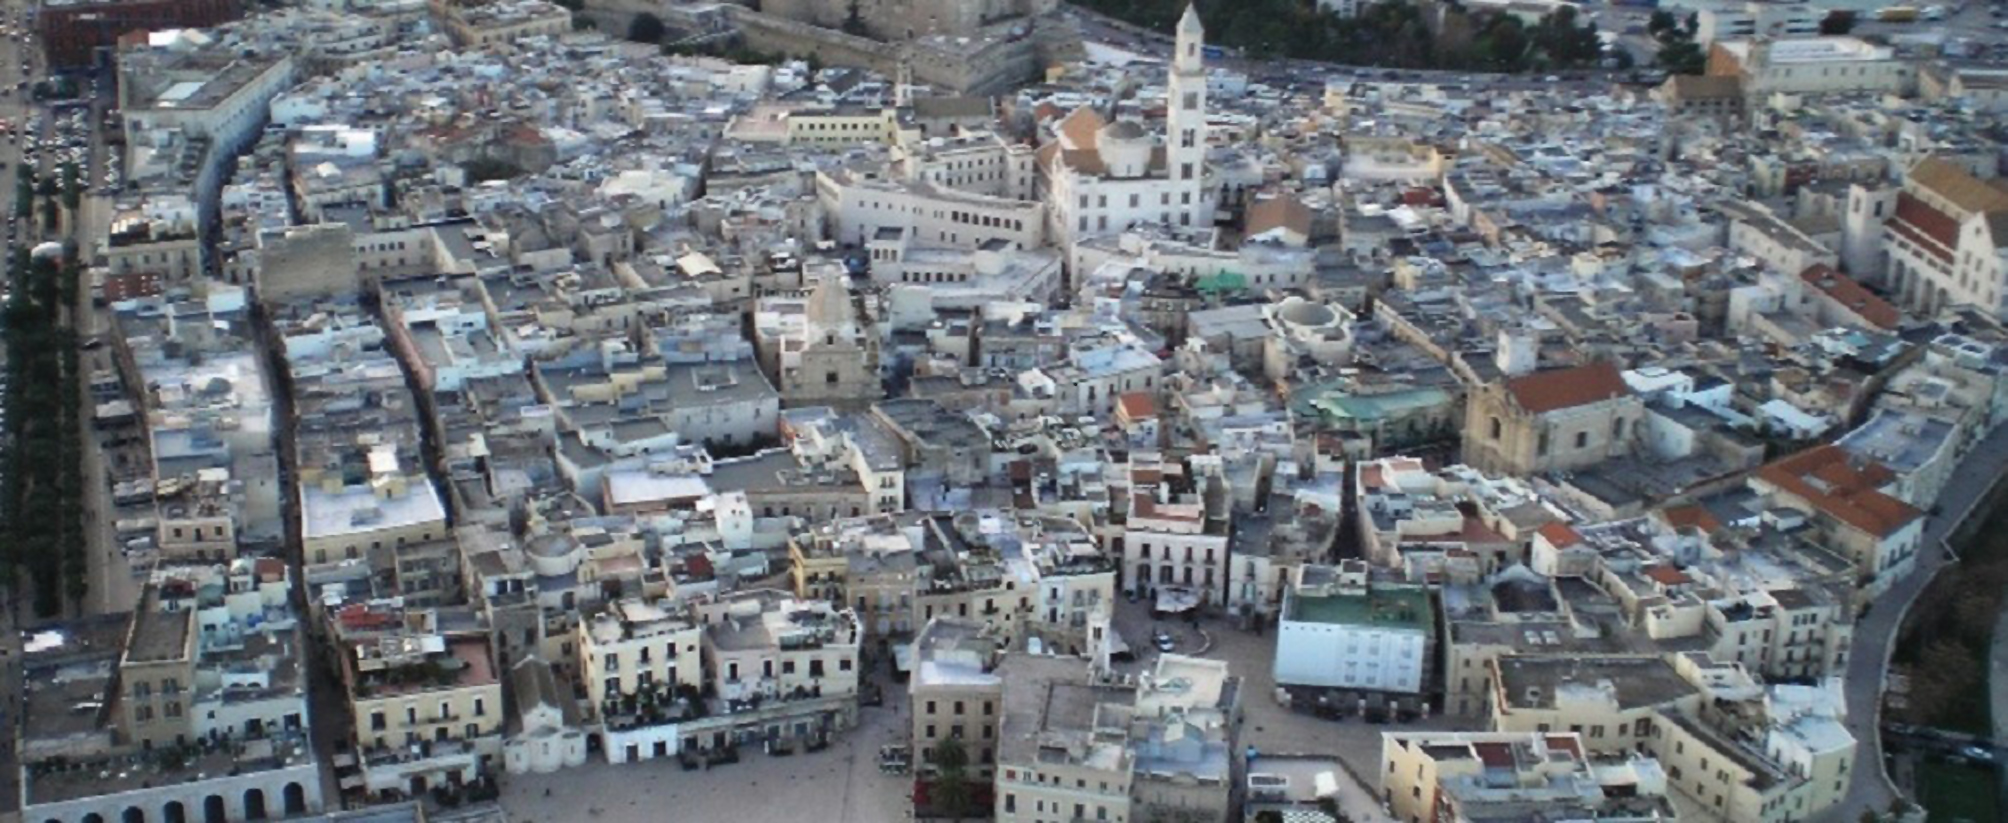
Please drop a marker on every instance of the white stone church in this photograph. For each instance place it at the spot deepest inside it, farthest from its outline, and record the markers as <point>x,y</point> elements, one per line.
<point>1102,177</point>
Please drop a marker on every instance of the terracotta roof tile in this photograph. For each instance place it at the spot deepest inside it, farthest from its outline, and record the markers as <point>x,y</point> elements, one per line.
<point>1828,478</point>
<point>1546,391</point>
<point>1690,517</point>
<point>1851,294</point>
<point>1958,186</point>
<point>1138,405</point>
<point>1082,128</point>
<point>1278,211</point>
<point>1559,534</point>
<point>1928,227</point>
<point>1667,575</point>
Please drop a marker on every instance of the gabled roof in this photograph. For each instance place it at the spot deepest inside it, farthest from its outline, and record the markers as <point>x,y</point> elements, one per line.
<point>1833,481</point>
<point>1851,294</point>
<point>1958,186</point>
<point>1556,389</point>
<point>1925,226</point>
<point>1081,128</point>
<point>1278,211</point>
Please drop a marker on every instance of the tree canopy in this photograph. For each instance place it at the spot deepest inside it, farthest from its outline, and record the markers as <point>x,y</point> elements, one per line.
<point>1393,33</point>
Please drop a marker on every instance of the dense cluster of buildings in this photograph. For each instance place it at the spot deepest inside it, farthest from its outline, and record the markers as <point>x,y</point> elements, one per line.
<point>536,398</point>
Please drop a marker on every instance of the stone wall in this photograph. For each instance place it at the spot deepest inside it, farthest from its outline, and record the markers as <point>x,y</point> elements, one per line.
<point>996,65</point>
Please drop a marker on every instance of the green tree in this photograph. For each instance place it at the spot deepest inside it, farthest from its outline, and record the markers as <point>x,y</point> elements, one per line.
<point>950,792</point>
<point>854,21</point>
<point>1838,22</point>
<point>646,28</point>
<point>1660,24</point>
<point>484,169</point>
<point>1678,54</point>
<point>73,187</point>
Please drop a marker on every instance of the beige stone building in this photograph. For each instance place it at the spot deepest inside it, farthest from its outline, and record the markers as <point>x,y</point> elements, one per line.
<point>343,521</point>
<point>1727,744</point>
<point>157,674</point>
<point>635,647</point>
<point>765,644</point>
<point>826,356</point>
<point>427,704</point>
<point>1063,751</point>
<point>1553,420</point>
<point>499,22</point>
<point>1457,777</point>
<point>956,693</point>
<point>1847,501</point>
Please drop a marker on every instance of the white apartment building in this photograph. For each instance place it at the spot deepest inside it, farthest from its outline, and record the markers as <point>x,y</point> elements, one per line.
<point>1339,631</point>
<point>1754,19</point>
<point>1174,538</point>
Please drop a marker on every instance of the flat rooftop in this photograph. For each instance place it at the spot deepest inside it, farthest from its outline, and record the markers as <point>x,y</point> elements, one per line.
<point>361,510</point>
<point>1536,682</point>
<point>1392,607</point>
<point>159,636</point>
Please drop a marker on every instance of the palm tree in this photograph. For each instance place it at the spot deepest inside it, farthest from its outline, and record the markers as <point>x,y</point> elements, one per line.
<point>951,790</point>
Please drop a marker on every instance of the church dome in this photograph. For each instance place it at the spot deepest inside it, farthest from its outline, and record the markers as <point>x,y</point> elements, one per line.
<point>1125,148</point>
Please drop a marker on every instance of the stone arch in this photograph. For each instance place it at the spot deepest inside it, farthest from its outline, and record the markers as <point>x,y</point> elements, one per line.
<point>295,799</point>
<point>174,812</point>
<point>254,804</point>
<point>213,811</point>
<point>94,817</point>
<point>133,814</point>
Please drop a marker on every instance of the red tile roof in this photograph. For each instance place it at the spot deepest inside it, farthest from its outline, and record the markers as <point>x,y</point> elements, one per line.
<point>1494,755</point>
<point>1546,391</point>
<point>1828,478</point>
<point>1925,226</point>
<point>1852,295</point>
<point>1280,210</point>
<point>1667,575</point>
<point>1138,405</point>
<point>1560,535</point>
<point>1690,517</point>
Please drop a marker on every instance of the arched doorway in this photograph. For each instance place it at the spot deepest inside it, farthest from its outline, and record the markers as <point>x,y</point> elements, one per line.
<point>212,810</point>
<point>133,815</point>
<point>295,799</point>
<point>174,812</point>
<point>94,817</point>
<point>254,804</point>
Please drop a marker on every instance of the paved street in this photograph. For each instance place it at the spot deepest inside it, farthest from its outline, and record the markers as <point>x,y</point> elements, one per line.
<point>1868,660</point>
<point>759,787</point>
